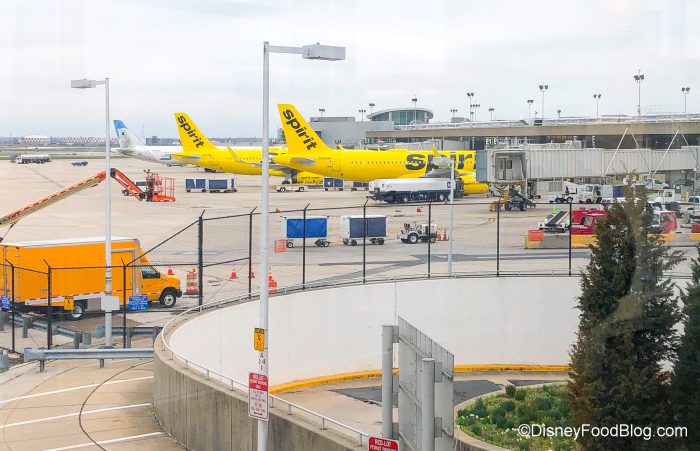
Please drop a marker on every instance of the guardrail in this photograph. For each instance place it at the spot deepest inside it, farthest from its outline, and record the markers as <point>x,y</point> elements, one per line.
<point>70,354</point>
<point>324,284</point>
<point>28,322</point>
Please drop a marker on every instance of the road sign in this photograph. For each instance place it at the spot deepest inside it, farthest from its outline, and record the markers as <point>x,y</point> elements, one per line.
<point>5,300</point>
<point>382,444</point>
<point>257,396</point>
<point>259,339</point>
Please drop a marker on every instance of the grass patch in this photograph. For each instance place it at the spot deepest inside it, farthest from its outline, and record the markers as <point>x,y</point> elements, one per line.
<point>495,419</point>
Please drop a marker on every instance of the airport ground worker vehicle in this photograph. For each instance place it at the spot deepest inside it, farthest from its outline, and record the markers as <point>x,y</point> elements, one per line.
<point>78,274</point>
<point>316,227</point>
<point>354,228</point>
<point>413,233</point>
<point>414,190</point>
<point>511,197</point>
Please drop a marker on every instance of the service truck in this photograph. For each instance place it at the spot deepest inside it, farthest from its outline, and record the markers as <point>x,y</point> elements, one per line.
<point>414,190</point>
<point>78,275</point>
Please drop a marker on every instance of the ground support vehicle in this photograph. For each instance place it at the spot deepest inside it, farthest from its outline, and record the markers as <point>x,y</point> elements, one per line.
<point>414,190</point>
<point>79,163</point>
<point>355,228</point>
<point>511,198</point>
<point>413,233</point>
<point>556,222</point>
<point>78,275</point>
<point>316,227</point>
<point>297,187</point>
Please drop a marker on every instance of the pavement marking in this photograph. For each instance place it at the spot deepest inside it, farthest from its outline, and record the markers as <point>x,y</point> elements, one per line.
<point>68,415</point>
<point>5,401</point>
<point>107,442</point>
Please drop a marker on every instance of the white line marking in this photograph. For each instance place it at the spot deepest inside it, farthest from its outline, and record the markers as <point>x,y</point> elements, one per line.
<point>107,442</point>
<point>68,415</point>
<point>36,395</point>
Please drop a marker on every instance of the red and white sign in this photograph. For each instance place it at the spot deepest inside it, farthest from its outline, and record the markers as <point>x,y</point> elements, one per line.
<point>257,396</point>
<point>382,444</point>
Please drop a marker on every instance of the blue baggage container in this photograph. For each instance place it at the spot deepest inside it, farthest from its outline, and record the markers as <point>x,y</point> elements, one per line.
<point>330,182</point>
<point>316,227</point>
<point>218,185</point>
<point>189,185</point>
<point>200,184</point>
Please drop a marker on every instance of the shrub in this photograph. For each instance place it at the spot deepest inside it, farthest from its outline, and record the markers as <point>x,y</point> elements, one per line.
<point>480,409</point>
<point>475,429</point>
<point>508,405</point>
<point>510,391</point>
<point>520,394</point>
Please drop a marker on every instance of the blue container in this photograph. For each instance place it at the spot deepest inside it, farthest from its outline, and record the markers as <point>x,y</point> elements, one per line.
<point>376,226</point>
<point>316,227</point>
<point>189,185</point>
<point>330,182</point>
<point>618,191</point>
<point>218,184</point>
<point>200,184</point>
<point>360,184</point>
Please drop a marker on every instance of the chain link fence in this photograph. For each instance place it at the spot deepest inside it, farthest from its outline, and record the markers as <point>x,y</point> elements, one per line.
<point>217,258</point>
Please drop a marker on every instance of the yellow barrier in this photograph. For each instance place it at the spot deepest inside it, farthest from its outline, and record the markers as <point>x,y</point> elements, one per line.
<point>324,380</point>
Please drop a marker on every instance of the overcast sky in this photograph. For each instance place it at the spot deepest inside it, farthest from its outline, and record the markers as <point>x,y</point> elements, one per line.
<point>204,57</point>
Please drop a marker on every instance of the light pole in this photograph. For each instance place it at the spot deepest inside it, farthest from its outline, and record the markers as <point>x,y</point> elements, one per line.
<point>107,300</point>
<point>317,52</point>
<point>470,95</point>
<point>321,110</point>
<point>639,78</point>
<point>543,89</point>
<point>442,161</point>
<point>685,92</point>
<point>453,111</point>
<point>529,105</point>
<point>371,107</point>
<point>491,110</point>
<point>475,106</point>
<point>415,101</point>
<point>559,114</point>
<point>597,100</point>
<point>362,112</point>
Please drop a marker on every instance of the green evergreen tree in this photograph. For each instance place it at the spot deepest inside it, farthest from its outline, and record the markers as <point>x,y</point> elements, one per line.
<point>686,379</point>
<point>627,315</point>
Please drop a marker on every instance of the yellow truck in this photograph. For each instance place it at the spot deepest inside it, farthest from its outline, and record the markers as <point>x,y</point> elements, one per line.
<point>78,275</point>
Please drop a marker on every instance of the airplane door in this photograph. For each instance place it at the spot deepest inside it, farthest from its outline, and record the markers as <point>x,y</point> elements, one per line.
<point>336,163</point>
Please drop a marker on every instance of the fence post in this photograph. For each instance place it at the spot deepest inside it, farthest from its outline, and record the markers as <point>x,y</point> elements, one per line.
<point>12,303</point>
<point>125,303</point>
<point>200,256</point>
<point>250,253</point>
<point>498,237</point>
<point>49,309</point>
<point>303,252</point>
<point>430,221</point>
<point>571,221</point>
<point>364,241</point>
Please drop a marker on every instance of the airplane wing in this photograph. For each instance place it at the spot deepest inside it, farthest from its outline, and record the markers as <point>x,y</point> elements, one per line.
<point>273,166</point>
<point>186,156</point>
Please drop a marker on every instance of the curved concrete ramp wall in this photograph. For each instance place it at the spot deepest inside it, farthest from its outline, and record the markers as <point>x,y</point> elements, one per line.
<point>510,320</point>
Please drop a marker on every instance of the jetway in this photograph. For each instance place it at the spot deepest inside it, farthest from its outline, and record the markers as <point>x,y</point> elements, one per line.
<point>532,161</point>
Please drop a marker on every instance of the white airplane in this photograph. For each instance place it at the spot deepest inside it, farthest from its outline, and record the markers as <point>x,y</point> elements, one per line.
<point>131,146</point>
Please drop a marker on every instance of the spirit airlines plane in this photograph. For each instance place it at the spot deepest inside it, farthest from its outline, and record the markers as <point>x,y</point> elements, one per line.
<point>307,152</point>
<point>130,146</point>
<point>199,151</point>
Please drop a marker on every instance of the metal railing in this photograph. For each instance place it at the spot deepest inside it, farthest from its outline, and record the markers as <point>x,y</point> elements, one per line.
<point>324,284</point>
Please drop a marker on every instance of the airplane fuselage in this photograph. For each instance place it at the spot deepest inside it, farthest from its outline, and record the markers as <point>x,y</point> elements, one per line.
<point>240,161</point>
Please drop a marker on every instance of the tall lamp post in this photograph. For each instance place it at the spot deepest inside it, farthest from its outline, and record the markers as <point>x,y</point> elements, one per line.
<point>685,92</point>
<point>362,112</point>
<point>107,299</point>
<point>491,110</point>
<point>371,107</point>
<point>453,111</point>
<point>529,105</point>
<point>639,78</point>
<point>470,95</point>
<point>475,106</point>
<point>442,161</point>
<point>316,52</point>
<point>415,101</point>
<point>559,113</point>
<point>321,110</point>
<point>543,89</point>
<point>597,100</point>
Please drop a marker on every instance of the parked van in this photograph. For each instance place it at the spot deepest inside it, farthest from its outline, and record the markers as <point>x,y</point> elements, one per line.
<point>78,274</point>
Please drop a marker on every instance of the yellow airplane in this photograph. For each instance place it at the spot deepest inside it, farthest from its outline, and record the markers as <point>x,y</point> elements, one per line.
<point>199,151</point>
<point>307,152</point>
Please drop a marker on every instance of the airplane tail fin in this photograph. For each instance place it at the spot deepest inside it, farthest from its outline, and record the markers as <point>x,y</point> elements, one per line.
<point>300,137</point>
<point>191,138</point>
<point>127,139</point>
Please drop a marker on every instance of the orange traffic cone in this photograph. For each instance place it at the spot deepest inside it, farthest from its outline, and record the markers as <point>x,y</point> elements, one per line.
<point>233,273</point>
<point>170,270</point>
<point>271,282</point>
<point>192,282</point>
<point>444,234</point>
